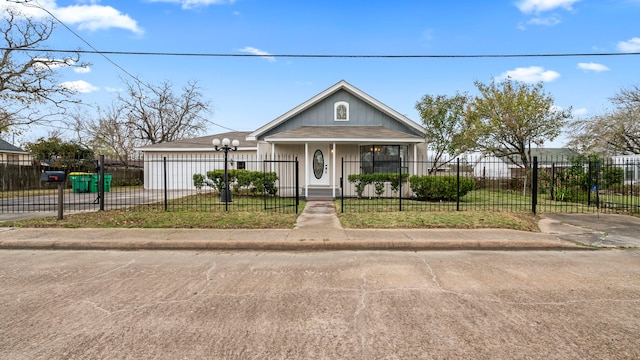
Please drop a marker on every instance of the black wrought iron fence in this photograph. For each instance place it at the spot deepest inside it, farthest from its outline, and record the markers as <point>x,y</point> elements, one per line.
<point>485,183</point>
<point>168,183</point>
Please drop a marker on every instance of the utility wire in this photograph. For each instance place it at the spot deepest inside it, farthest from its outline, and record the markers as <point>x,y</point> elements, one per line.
<point>321,56</point>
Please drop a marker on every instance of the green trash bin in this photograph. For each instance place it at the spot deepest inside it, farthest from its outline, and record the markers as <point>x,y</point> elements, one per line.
<point>95,178</point>
<point>80,181</point>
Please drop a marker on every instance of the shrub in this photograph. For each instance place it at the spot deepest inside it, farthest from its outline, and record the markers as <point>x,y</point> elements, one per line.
<point>439,188</point>
<point>256,182</point>
<point>198,181</point>
<point>360,181</point>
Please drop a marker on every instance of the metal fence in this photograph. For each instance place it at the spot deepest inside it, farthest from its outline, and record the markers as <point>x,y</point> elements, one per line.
<point>175,182</point>
<point>169,183</point>
<point>492,184</point>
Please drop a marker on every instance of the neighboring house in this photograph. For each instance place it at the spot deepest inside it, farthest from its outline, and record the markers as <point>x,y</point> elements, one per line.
<point>631,166</point>
<point>341,121</point>
<point>493,167</point>
<point>187,157</point>
<point>13,155</point>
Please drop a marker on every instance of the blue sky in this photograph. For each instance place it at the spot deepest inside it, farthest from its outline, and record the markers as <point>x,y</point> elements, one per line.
<point>248,92</point>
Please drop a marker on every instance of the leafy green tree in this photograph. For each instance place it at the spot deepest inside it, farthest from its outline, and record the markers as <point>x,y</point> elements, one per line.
<point>508,117</point>
<point>61,153</point>
<point>444,119</point>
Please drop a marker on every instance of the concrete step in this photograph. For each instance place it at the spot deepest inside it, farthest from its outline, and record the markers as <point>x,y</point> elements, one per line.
<point>320,194</point>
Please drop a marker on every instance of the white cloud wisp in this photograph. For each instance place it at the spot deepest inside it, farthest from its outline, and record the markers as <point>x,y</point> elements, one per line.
<point>531,74</point>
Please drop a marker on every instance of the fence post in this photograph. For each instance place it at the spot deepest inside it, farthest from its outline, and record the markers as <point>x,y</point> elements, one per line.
<point>534,185</point>
<point>400,183</point>
<point>297,186</point>
<point>589,171</point>
<point>166,194</point>
<point>101,182</point>
<point>458,184</point>
<point>553,182</point>
<point>597,184</point>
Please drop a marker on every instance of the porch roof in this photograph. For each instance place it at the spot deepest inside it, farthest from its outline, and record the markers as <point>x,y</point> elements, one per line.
<point>345,134</point>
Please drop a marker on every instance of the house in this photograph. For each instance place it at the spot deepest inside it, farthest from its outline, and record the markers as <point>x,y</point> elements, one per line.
<point>13,155</point>
<point>339,122</point>
<point>494,167</point>
<point>631,166</point>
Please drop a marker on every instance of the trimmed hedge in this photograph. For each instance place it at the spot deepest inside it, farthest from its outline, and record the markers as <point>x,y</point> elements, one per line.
<point>255,182</point>
<point>439,188</point>
<point>360,181</point>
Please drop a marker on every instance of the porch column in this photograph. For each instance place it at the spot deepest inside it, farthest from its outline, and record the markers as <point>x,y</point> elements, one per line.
<point>306,170</point>
<point>273,156</point>
<point>333,171</point>
<point>415,159</point>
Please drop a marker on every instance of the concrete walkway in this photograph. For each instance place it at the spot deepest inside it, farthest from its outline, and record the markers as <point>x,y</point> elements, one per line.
<point>317,228</point>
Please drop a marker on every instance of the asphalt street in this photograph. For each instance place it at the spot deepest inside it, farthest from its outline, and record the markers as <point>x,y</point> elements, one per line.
<point>319,305</point>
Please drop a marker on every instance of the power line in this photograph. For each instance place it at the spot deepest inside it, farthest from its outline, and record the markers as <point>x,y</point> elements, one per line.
<point>321,56</point>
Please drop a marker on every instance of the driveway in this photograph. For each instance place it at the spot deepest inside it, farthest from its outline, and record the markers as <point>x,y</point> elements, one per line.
<point>606,230</point>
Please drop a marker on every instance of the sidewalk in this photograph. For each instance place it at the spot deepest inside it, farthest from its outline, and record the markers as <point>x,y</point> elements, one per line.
<point>317,228</point>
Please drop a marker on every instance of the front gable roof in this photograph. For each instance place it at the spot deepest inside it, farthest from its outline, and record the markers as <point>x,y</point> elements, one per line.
<point>341,85</point>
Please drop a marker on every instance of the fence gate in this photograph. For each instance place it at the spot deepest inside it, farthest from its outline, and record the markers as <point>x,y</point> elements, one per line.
<point>23,192</point>
<point>281,184</point>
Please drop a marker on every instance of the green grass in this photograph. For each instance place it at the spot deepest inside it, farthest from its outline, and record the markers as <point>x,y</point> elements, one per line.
<point>440,219</point>
<point>157,218</point>
<point>479,209</point>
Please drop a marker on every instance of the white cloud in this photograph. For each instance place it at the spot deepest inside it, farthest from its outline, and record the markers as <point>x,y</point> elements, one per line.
<point>538,6</point>
<point>580,112</point>
<point>80,86</point>
<point>97,17</point>
<point>631,45</point>
<point>90,17</point>
<point>112,90</point>
<point>545,21</point>
<point>190,4</point>
<point>258,52</point>
<point>531,74</point>
<point>593,67</point>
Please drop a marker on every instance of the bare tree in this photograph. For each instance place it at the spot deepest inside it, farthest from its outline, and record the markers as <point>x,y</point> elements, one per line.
<point>29,90</point>
<point>613,133</point>
<point>108,133</point>
<point>155,114</point>
<point>628,97</point>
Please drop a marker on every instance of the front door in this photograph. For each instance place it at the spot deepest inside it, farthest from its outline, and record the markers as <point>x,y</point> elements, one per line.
<point>319,165</point>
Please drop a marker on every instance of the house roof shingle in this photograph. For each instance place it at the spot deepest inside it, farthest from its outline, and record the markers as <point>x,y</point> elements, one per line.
<point>202,143</point>
<point>7,147</point>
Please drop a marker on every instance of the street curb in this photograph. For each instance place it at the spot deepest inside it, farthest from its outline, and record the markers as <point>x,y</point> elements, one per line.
<point>300,245</point>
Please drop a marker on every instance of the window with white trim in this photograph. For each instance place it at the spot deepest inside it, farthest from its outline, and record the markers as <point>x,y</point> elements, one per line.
<point>383,158</point>
<point>341,111</point>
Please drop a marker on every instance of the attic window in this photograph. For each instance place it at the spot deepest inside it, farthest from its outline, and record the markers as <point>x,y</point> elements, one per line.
<point>341,111</point>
